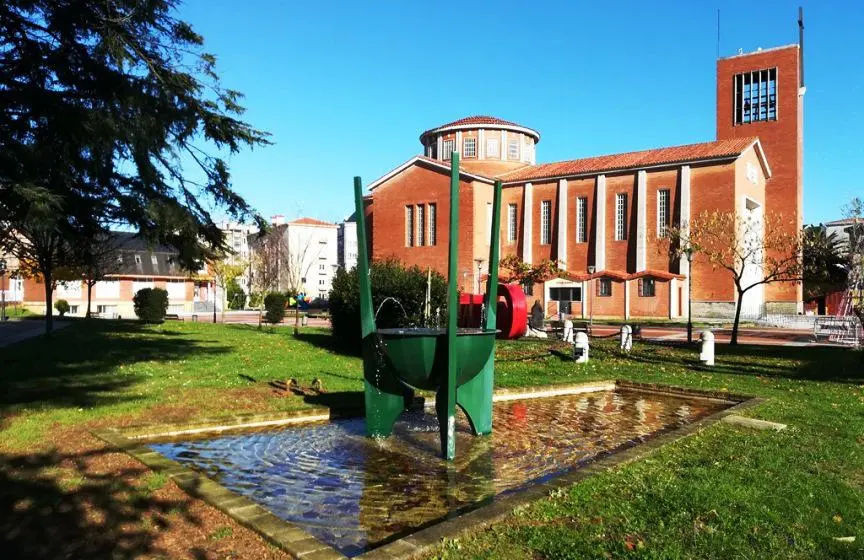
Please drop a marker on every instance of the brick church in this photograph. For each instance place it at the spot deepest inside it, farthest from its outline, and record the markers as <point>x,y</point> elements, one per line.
<point>608,214</point>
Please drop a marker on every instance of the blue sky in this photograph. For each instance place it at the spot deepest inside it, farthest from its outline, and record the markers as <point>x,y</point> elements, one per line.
<point>346,88</point>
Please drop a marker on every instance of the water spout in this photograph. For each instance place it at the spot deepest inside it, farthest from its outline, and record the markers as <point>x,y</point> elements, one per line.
<point>397,303</point>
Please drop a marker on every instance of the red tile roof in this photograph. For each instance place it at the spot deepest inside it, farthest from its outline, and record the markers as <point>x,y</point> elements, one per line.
<point>479,120</point>
<point>311,222</point>
<point>621,275</point>
<point>719,149</point>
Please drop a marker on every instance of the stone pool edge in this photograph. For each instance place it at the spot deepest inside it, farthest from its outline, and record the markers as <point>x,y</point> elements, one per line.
<point>300,544</point>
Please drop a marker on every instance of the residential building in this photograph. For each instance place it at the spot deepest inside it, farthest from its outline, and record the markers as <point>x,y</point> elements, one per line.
<point>608,212</point>
<point>346,240</point>
<point>297,255</point>
<point>237,237</point>
<point>313,255</point>
<point>139,265</point>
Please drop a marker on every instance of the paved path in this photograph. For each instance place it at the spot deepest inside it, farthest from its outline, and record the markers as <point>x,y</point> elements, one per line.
<point>16,331</point>
<point>767,336</point>
<point>251,318</point>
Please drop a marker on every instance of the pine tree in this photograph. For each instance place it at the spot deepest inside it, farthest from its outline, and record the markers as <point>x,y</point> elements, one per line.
<point>112,110</point>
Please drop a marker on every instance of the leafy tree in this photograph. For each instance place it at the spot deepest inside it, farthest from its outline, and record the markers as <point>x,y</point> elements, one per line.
<point>390,279</point>
<point>224,273</point>
<point>741,244</point>
<point>824,262</point>
<point>274,303</point>
<point>236,295</point>
<point>529,274</point>
<point>37,239</point>
<point>151,304</point>
<point>107,112</point>
<point>62,307</point>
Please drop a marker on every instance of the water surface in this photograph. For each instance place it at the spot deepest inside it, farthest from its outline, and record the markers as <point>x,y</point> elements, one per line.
<point>355,493</point>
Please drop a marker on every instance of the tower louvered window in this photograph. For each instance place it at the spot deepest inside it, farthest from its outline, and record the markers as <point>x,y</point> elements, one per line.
<point>756,96</point>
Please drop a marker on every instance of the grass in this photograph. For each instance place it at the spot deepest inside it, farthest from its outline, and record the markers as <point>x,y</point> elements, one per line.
<point>18,312</point>
<point>726,492</point>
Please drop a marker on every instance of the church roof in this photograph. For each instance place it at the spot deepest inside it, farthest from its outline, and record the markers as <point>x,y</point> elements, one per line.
<point>705,151</point>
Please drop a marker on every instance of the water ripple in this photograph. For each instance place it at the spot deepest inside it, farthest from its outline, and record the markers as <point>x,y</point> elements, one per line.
<point>354,492</point>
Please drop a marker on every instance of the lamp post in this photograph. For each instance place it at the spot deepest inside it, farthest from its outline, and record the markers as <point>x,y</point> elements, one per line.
<point>688,252</point>
<point>591,270</point>
<point>479,272</point>
<point>3,290</point>
<point>214,300</point>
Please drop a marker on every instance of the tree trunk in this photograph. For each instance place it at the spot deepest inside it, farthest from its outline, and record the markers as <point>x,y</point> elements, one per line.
<point>297,318</point>
<point>49,304</point>
<point>89,297</point>
<point>738,305</point>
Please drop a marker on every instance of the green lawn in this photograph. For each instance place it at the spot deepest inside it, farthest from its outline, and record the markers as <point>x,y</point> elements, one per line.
<point>724,493</point>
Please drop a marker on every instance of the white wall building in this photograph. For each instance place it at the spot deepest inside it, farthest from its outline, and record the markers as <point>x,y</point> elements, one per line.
<point>347,242</point>
<point>313,255</point>
<point>237,239</point>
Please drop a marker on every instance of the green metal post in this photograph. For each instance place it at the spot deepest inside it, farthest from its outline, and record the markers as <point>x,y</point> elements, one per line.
<point>492,281</point>
<point>445,400</point>
<point>367,318</point>
<point>475,396</point>
<point>385,398</point>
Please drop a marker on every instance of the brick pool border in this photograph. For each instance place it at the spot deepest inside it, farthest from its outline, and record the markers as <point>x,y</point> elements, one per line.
<point>300,544</point>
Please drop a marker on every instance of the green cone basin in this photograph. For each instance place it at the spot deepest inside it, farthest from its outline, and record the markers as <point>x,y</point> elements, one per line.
<point>419,356</point>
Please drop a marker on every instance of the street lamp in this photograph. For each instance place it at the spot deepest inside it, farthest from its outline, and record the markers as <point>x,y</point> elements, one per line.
<point>214,300</point>
<point>688,252</point>
<point>591,270</point>
<point>479,272</point>
<point>2,289</point>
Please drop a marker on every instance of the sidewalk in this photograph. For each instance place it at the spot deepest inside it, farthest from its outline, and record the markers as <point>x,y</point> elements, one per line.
<point>16,331</point>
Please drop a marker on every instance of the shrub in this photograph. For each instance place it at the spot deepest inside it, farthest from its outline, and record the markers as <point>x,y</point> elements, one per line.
<point>151,304</point>
<point>274,306</point>
<point>236,295</point>
<point>256,299</point>
<point>389,278</point>
<point>62,307</point>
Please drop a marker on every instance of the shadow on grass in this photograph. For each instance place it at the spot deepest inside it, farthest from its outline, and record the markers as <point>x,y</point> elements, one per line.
<point>812,363</point>
<point>82,366</point>
<point>328,342</point>
<point>110,513</point>
<point>340,403</point>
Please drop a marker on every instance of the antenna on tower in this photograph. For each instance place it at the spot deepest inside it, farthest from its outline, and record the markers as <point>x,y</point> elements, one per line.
<point>801,46</point>
<point>718,32</point>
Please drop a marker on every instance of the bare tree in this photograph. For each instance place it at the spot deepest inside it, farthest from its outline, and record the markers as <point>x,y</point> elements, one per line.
<point>854,252</point>
<point>97,258</point>
<point>754,249</point>
<point>269,260</point>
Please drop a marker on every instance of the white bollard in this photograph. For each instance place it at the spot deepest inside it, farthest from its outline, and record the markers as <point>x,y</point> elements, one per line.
<point>568,331</point>
<point>706,355</point>
<point>580,348</point>
<point>626,338</point>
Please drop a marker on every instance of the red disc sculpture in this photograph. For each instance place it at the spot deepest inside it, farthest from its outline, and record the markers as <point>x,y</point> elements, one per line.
<point>512,312</point>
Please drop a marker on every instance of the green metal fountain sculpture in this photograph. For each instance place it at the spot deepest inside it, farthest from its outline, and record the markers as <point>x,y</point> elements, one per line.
<point>459,364</point>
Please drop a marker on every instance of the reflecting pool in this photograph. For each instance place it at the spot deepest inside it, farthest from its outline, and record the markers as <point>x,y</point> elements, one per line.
<point>355,493</point>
